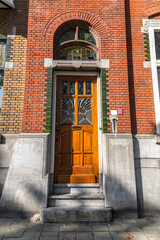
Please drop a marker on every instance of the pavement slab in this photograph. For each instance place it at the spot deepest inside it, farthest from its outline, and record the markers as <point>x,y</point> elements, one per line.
<point>34,227</point>
<point>67,236</point>
<point>100,227</point>
<point>48,238</point>
<point>102,236</point>
<point>49,234</point>
<point>31,236</point>
<point>84,236</point>
<point>50,227</point>
<point>22,229</point>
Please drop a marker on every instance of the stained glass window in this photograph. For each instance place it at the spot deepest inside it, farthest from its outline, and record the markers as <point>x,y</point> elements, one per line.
<point>88,88</point>
<point>77,53</point>
<point>86,36</point>
<point>66,36</point>
<point>80,88</point>
<point>72,88</point>
<point>68,111</point>
<point>84,111</point>
<point>64,88</point>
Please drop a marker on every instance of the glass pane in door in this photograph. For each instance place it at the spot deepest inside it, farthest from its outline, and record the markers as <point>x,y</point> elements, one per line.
<point>84,111</point>
<point>68,111</point>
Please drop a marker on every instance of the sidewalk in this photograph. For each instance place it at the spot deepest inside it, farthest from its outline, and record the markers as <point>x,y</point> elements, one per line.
<point>142,229</point>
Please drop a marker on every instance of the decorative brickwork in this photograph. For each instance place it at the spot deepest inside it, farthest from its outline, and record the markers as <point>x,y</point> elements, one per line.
<point>147,47</point>
<point>13,88</point>
<point>48,101</point>
<point>105,112</point>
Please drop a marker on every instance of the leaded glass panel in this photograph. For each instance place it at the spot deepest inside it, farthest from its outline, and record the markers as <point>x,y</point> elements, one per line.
<point>72,88</point>
<point>64,88</point>
<point>2,53</point>
<point>84,111</point>
<point>87,36</point>
<point>88,88</point>
<point>68,111</point>
<point>77,53</point>
<point>66,36</point>
<point>80,88</point>
<point>157,44</point>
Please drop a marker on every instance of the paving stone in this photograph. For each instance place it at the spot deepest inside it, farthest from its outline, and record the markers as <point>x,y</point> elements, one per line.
<point>154,238</point>
<point>131,225</point>
<point>11,238</point>
<point>100,227</point>
<point>68,227</point>
<point>48,238</point>
<point>84,236</point>
<point>118,235</point>
<point>116,227</point>
<point>34,227</point>
<point>5,224</point>
<point>67,236</point>
<point>138,235</point>
<point>102,236</point>
<point>16,229</point>
<point>51,227</point>
<point>71,227</point>
<point>84,227</point>
<point>49,234</point>
<point>31,235</point>
<point>151,231</point>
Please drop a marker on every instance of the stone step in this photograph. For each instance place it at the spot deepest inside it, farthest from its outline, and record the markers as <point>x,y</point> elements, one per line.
<point>96,200</point>
<point>86,188</point>
<point>76,214</point>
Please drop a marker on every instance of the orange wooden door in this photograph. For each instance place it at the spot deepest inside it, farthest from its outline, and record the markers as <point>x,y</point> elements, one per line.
<point>76,153</point>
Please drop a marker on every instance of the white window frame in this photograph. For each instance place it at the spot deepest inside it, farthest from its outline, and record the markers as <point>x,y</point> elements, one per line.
<point>3,68</point>
<point>4,38</point>
<point>150,26</point>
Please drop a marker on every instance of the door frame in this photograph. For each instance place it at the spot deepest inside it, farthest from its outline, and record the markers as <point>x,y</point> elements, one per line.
<point>99,118</point>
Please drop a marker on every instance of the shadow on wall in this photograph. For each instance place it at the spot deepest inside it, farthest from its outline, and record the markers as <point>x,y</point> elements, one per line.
<point>139,183</point>
<point>28,197</point>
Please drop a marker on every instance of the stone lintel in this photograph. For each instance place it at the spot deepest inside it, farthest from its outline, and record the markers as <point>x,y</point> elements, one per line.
<point>67,64</point>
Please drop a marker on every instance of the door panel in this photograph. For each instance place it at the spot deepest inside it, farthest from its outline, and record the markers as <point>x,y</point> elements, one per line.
<point>76,158</point>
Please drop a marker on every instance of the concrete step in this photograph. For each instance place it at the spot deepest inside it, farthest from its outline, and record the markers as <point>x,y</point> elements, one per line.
<point>95,200</point>
<point>86,188</point>
<point>76,214</point>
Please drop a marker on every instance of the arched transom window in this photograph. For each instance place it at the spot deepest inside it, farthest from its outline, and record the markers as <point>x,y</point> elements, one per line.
<point>76,41</point>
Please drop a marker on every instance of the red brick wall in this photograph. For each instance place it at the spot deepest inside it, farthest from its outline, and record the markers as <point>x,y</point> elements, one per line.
<point>108,19</point>
<point>143,119</point>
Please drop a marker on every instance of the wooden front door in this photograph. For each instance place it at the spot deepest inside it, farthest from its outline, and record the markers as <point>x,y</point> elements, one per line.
<point>76,152</point>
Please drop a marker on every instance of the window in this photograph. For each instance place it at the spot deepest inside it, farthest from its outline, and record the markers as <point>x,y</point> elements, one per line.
<point>154,38</point>
<point>2,63</point>
<point>76,41</point>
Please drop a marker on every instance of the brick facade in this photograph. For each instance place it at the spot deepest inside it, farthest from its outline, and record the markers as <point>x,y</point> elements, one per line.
<point>117,25</point>
<point>14,79</point>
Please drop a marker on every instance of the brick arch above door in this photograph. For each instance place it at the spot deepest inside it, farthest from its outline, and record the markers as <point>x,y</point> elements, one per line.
<point>95,21</point>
